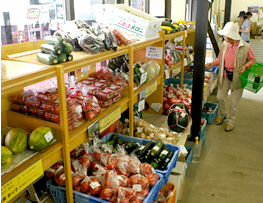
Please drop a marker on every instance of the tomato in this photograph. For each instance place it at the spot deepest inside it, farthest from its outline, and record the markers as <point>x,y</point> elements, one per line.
<point>55,118</point>
<point>124,200</point>
<point>85,161</point>
<point>152,179</point>
<point>96,155</point>
<point>144,182</point>
<point>146,169</point>
<point>106,184</point>
<point>167,189</point>
<point>77,188</point>
<point>47,116</point>
<point>134,179</point>
<point>73,153</point>
<point>46,107</point>
<point>57,165</point>
<point>97,109</point>
<point>169,89</point>
<point>172,100</point>
<point>165,99</point>
<point>134,167</point>
<point>136,201</point>
<point>106,194</point>
<point>50,172</point>
<point>16,107</point>
<point>40,112</point>
<point>166,106</point>
<point>144,193</point>
<point>90,115</point>
<point>113,199</point>
<point>84,152</point>
<point>75,180</point>
<point>110,174</point>
<point>25,109</point>
<point>112,165</point>
<point>94,166</point>
<point>87,107</point>
<point>202,121</point>
<point>132,195</point>
<point>60,177</point>
<point>94,179</point>
<point>84,186</point>
<point>79,116</point>
<point>36,104</point>
<point>95,191</point>
<point>55,109</point>
<point>33,110</point>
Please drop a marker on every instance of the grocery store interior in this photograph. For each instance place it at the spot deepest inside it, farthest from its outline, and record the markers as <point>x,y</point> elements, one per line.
<point>114,101</point>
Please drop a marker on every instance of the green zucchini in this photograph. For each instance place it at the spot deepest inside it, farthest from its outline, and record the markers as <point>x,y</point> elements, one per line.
<point>137,150</point>
<point>62,58</point>
<point>55,40</point>
<point>148,155</point>
<point>166,23</point>
<point>130,146</point>
<point>67,48</point>
<point>144,149</point>
<point>155,163</point>
<point>51,49</point>
<point>156,150</point>
<point>169,157</point>
<point>49,59</point>
<point>119,141</point>
<point>111,141</point>
<point>69,57</point>
<point>163,166</point>
<point>163,153</point>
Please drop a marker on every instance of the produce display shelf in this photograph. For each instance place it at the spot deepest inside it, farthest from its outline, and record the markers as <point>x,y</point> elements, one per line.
<point>141,45</point>
<point>157,79</point>
<point>79,135</point>
<point>49,156</point>
<point>190,31</point>
<point>176,68</point>
<point>173,35</point>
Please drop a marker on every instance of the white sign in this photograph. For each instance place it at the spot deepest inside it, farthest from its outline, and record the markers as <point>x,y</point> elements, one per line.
<point>141,105</point>
<point>166,74</point>
<point>157,8</point>
<point>143,78</point>
<point>191,57</point>
<point>185,33</point>
<point>154,52</point>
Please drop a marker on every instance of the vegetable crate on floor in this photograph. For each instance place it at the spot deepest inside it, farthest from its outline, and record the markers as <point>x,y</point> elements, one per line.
<point>203,132</point>
<point>210,116</point>
<point>166,173</point>
<point>189,157</point>
<point>177,81</point>
<point>59,193</point>
<point>252,78</point>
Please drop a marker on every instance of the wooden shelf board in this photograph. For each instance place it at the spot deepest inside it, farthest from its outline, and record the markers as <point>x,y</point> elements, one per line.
<point>137,91</point>
<point>80,134</point>
<point>190,31</point>
<point>142,45</point>
<point>173,35</point>
<point>178,65</point>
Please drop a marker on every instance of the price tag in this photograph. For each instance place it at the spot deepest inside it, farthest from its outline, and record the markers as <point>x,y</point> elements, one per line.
<point>150,89</point>
<point>156,148</point>
<point>94,184</point>
<point>141,105</point>
<point>110,119</point>
<point>179,38</point>
<point>185,32</point>
<point>185,62</point>
<point>49,136</point>
<point>33,13</point>
<point>141,70</point>
<point>166,74</point>
<point>154,52</point>
<point>21,181</point>
<point>191,57</point>
<point>137,187</point>
<point>143,78</point>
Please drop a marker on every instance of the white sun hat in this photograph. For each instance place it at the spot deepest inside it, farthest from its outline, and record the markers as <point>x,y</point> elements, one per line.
<point>231,30</point>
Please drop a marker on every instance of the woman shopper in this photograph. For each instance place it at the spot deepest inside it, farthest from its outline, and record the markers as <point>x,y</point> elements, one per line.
<point>244,26</point>
<point>234,58</point>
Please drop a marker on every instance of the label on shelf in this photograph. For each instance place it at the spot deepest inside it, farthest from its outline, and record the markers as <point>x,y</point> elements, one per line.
<point>185,62</point>
<point>185,32</point>
<point>21,181</point>
<point>143,78</point>
<point>166,74</point>
<point>141,105</point>
<point>179,38</point>
<point>154,52</point>
<point>191,57</point>
<point>150,89</point>
<point>110,119</point>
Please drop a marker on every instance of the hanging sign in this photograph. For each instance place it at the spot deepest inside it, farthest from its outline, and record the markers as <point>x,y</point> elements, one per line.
<point>154,52</point>
<point>33,13</point>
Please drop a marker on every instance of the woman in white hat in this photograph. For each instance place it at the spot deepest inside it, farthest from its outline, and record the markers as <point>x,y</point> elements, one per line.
<point>234,58</point>
<point>244,26</point>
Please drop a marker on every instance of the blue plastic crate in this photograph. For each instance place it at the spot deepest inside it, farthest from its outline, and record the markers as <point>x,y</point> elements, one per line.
<point>210,116</point>
<point>177,81</point>
<point>59,193</point>
<point>186,76</point>
<point>189,157</point>
<point>203,132</point>
<point>166,173</point>
<point>214,70</point>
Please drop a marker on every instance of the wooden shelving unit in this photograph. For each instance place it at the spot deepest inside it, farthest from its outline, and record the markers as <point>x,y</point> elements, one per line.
<point>67,141</point>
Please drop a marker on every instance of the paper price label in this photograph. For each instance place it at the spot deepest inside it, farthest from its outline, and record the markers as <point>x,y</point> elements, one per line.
<point>49,136</point>
<point>137,187</point>
<point>156,148</point>
<point>94,184</point>
<point>141,105</point>
<point>141,70</point>
<point>21,181</point>
<point>110,119</point>
<point>154,52</point>
<point>179,38</point>
<point>185,32</point>
<point>143,78</point>
<point>164,152</point>
<point>33,13</point>
<point>192,57</point>
<point>166,74</point>
<point>185,62</point>
<point>150,89</point>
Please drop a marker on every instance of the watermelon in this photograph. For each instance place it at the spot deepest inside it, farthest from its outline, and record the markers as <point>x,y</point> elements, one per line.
<point>182,106</point>
<point>178,119</point>
<point>40,138</point>
<point>6,157</point>
<point>16,140</point>
<point>2,137</point>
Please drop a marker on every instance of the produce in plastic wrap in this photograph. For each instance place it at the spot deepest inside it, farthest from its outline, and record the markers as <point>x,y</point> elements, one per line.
<point>91,44</point>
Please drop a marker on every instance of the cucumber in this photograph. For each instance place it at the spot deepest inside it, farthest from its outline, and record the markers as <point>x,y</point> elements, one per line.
<point>144,149</point>
<point>67,48</point>
<point>48,59</point>
<point>51,49</point>
<point>163,153</point>
<point>163,166</point>
<point>166,23</point>
<point>156,150</point>
<point>111,141</point>
<point>69,57</point>
<point>62,58</point>
<point>119,141</point>
<point>155,163</point>
<point>130,146</point>
<point>137,150</point>
<point>168,158</point>
<point>148,155</point>
<point>55,40</point>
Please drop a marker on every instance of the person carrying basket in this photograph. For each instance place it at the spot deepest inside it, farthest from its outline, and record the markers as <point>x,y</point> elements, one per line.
<point>234,58</point>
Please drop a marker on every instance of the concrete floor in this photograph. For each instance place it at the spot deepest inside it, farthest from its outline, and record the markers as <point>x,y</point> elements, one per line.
<point>231,164</point>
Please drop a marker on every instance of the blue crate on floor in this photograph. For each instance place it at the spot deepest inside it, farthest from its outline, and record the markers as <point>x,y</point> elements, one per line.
<point>203,132</point>
<point>210,116</point>
<point>59,193</point>
<point>166,173</point>
<point>177,81</point>
<point>189,157</point>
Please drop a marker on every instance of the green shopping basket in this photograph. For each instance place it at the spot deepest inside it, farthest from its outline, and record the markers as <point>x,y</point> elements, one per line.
<point>248,78</point>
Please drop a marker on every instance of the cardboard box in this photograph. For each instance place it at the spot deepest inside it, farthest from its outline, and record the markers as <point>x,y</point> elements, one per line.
<point>130,19</point>
<point>180,168</point>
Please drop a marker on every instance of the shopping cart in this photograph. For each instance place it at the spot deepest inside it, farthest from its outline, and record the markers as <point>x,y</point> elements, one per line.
<point>252,78</point>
